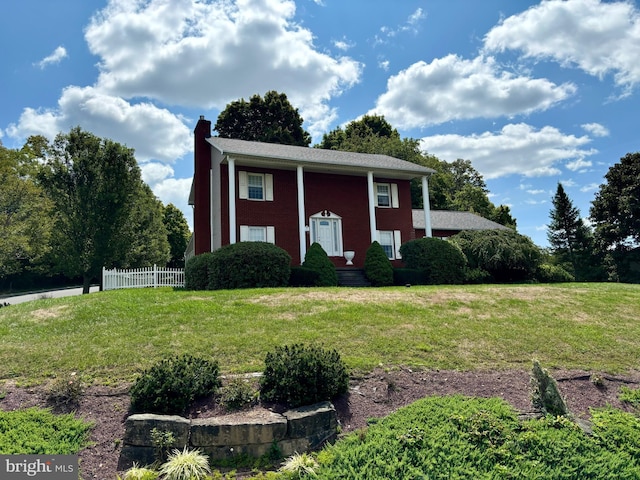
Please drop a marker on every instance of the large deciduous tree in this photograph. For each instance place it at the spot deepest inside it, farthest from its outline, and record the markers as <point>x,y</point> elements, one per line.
<point>178,234</point>
<point>615,211</point>
<point>93,184</point>
<point>271,119</point>
<point>25,222</point>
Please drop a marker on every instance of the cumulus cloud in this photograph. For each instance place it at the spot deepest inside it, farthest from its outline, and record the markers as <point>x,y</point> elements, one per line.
<point>598,37</point>
<point>515,149</point>
<point>153,132</point>
<point>596,129</point>
<point>160,177</point>
<point>56,57</point>
<point>205,55</point>
<point>452,88</point>
<point>591,187</point>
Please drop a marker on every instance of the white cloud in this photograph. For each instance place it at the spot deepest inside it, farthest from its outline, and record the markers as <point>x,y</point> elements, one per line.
<point>452,88</point>
<point>568,183</point>
<point>591,187</point>
<point>384,65</point>
<point>596,36</point>
<point>198,54</point>
<point>168,189</point>
<point>411,25</point>
<point>536,192</point>
<point>56,57</point>
<point>596,129</point>
<point>343,44</point>
<point>516,149</point>
<point>153,132</point>
<point>578,164</point>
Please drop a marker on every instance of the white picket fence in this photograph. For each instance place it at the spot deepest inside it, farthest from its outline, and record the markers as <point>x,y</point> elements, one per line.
<point>113,279</point>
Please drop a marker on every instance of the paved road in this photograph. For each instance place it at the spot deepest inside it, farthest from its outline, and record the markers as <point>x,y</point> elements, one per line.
<point>67,292</point>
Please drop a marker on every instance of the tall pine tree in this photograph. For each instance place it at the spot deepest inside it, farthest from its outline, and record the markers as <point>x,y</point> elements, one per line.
<point>571,240</point>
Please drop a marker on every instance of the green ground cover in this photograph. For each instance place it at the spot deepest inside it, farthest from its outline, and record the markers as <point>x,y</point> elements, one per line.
<point>108,337</point>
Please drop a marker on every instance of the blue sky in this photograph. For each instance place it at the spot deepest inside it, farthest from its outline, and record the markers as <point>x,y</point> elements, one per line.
<point>533,93</point>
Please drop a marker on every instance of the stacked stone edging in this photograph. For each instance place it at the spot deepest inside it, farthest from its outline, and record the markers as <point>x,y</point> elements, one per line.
<point>251,433</point>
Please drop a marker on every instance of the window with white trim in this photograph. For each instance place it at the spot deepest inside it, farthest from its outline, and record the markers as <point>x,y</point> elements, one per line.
<point>255,186</point>
<point>386,195</point>
<point>390,241</point>
<point>249,233</point>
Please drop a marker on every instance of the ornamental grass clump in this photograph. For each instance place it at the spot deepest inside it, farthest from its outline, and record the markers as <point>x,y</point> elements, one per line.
<point>303,375</point>
<point>170,386</point>
<point>186,465</point>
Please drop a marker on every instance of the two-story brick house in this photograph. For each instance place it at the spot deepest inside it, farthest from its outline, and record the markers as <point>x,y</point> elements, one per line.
<point>294,196</point>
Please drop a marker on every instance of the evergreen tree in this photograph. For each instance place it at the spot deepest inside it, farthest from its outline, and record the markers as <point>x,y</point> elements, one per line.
<point>570,239</point>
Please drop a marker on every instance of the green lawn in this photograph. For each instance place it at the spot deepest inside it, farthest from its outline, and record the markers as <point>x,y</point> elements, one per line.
<point>108,337</point>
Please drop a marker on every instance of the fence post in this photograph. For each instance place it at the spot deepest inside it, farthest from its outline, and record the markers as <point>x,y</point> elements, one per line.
<point>102,283</point>
<point>155,276</point>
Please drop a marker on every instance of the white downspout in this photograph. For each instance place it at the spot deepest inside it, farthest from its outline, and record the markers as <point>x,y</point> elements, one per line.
<point>301,214</point>
<point>372,208</point>
<point>425,206</point>
<point>232,200</point>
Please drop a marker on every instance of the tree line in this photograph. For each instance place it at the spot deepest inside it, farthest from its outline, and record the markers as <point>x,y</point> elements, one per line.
<point>70,207</point>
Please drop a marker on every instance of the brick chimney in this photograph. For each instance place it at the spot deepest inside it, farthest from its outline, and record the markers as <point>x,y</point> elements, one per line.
<point>202,187</point>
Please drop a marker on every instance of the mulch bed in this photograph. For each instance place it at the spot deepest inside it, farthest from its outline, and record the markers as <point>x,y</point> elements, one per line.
<point>376,394</point>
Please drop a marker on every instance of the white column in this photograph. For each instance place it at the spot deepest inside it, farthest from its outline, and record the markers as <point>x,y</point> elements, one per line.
<point>426,207</point>
<point>302,217</point>
<point>232,200</point>
<point>372,208</point>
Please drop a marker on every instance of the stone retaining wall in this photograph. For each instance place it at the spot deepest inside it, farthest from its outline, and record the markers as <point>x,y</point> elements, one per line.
<point>250,433</point>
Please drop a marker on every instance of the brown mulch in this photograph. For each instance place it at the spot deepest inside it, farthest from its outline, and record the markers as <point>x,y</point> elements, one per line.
<point>374,395</point>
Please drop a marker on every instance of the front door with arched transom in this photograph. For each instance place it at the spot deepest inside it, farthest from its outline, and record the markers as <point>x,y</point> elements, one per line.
<point>326,229</point>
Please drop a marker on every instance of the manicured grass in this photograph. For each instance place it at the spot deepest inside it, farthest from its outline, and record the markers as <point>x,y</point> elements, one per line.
<point>108,337</point>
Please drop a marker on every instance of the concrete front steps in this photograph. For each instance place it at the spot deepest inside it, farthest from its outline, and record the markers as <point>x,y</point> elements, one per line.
<point>352,277</point>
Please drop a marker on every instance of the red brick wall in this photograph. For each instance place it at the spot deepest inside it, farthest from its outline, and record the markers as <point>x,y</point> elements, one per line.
<point>202,166</point>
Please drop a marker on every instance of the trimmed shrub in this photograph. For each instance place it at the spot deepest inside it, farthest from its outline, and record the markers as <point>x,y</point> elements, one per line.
<point>505,254</point>
<point>548,273</point>
<point>303,277</point>
<point>377,267</point>
<point>316,259</point>
<point>303,375</point>
<point>443,262</point>
<point>476,275</point>
<point>170,386</point>
<point>410,276</point>
<point>249,265</point>
<point>196,272</point>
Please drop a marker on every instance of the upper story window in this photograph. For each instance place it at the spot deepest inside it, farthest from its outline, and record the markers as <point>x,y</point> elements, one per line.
<point>255,186</point>
<point>386,195</point>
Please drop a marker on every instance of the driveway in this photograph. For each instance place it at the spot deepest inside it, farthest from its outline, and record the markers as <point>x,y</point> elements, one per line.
<point>66,292</point>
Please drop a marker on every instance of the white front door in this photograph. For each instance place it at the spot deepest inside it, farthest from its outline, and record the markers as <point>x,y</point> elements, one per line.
<point>327,231</point>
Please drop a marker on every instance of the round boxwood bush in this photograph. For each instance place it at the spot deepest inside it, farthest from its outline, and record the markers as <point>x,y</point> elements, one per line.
<point>303,375</point>
<point>249,265</point>
<point>443,262</point>
<point>317,259</point>
<point>196,272</point>
<point>377,267</point>
<point>170,386</point>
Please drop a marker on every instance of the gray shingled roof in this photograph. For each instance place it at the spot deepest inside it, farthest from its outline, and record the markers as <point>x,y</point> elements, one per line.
<point>452,220</point>
<point>317,157</point>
